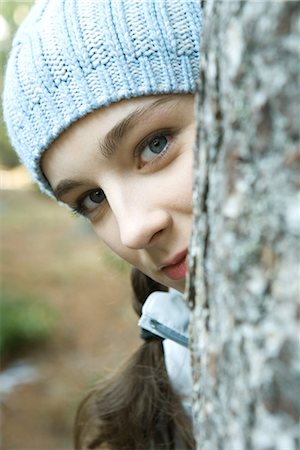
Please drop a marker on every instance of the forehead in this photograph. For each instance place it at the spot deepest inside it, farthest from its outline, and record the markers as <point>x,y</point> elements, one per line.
<point>93,127</point>
<point>109,115</point>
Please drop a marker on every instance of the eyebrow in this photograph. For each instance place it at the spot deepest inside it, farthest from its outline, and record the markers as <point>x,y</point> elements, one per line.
<point>113,138</point>
<point>65,186</point>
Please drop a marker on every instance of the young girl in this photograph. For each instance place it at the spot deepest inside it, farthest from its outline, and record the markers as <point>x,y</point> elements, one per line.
<point>99,105</point>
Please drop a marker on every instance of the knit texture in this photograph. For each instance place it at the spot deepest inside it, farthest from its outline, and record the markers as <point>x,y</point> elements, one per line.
<point>70,57</point>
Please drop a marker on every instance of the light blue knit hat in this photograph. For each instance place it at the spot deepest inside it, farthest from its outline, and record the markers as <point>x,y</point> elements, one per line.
<point>70,57</point>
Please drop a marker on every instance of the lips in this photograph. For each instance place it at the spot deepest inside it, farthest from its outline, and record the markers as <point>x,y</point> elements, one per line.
<point>176,268</point>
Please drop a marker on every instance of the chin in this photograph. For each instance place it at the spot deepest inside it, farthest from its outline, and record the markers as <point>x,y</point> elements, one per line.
<point>181,287</point>
<point>178,285</point>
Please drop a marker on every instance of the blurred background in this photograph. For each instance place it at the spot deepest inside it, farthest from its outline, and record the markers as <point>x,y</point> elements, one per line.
<point>66,319</point>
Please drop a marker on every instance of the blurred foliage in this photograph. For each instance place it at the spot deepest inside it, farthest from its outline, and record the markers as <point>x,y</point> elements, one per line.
<point>112,260</point>
<point>12,13</point>
<point>24,322</point>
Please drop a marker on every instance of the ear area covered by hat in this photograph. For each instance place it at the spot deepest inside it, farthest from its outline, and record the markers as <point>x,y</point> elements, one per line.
<point>70,57</point>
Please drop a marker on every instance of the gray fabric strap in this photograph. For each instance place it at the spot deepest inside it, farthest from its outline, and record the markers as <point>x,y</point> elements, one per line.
<point>147,335</point>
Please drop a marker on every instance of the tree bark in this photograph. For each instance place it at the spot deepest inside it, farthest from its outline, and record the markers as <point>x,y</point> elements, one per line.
<point>244,259</point>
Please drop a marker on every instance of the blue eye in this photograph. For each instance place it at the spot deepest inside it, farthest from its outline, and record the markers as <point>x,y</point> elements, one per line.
<point>89,202</point>
<point>96,196</point>
<point>153,148</point>
<point>158,144</point>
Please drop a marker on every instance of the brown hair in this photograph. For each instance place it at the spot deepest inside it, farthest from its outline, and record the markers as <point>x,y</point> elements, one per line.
<point>137,408</point>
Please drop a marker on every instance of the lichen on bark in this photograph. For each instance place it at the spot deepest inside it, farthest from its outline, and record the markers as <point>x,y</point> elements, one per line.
<point>244,259</point>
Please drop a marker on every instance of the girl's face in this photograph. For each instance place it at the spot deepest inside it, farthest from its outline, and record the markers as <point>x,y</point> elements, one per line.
<point>128,169</point>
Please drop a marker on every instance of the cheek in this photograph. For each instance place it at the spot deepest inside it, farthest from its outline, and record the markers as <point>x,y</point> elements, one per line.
<point>108,232</point>
<point>179,187</point>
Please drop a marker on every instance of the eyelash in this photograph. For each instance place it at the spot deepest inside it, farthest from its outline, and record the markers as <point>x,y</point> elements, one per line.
<point>80,209</point>
<point>170,134</point>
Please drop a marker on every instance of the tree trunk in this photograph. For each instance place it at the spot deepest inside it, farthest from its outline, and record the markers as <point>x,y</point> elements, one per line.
<point>244,260</point>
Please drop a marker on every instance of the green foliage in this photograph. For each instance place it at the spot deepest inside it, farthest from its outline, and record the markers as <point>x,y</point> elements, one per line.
<point>115,262</point>
<point>8,157</point>
<point>12,14</point>
<point>24,322</point>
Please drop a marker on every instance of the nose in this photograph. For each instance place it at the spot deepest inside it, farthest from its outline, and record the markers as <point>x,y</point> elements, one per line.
<point>139,231</point>
<point>141,221</point>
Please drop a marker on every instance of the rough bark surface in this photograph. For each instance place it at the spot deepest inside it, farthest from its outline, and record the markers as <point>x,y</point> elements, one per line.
<point>244,262</point>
